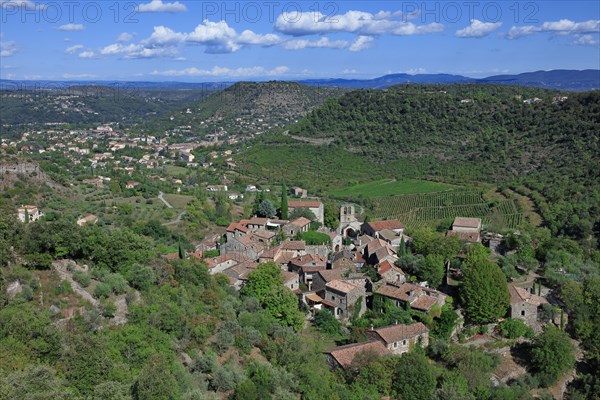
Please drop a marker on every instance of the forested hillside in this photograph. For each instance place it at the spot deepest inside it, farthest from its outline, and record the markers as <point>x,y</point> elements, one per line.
<point>545,143</point>
<point>249,107</point>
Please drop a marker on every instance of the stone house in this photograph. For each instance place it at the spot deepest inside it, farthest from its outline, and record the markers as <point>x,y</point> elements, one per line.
<point>400,337</point>
<point>345,299</point>
<point>306,266</point>
<point>525,305</point>
<point>420,298</point>
<point>299,225</point>
<point>389,273</point>
<point>343,356</point>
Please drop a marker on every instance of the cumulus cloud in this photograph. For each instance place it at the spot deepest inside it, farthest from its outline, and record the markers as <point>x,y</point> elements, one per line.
<point>360,22</point>
<point>224,72</point>
<point>87,54</point>
<point>362,43</point>
<point>159,6</point>
<point>71,27</point>
<point>73,49</point>
<point>216,37</point>
<point>125,37</point>
<point>561,27</point>
<point>478,29</point>
<point>585,40</point>
<point>322,43</point>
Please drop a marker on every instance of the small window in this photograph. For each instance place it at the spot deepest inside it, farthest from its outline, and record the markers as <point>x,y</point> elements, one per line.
<point>404,342</point>
<point>332,298</point>
<point>523,313</point>
<point>395,344</point>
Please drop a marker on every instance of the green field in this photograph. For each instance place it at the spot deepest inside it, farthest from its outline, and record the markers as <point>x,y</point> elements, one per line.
<point>389,187</point>
<point>434,208</point>
<point>178,201</point>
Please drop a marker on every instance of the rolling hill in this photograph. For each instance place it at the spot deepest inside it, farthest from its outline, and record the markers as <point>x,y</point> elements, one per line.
<point>541,141</point>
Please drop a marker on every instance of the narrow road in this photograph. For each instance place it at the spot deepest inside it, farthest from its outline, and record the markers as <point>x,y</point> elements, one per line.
<point>61,267</point>
<point>161,198</point>
<point>176,220</point>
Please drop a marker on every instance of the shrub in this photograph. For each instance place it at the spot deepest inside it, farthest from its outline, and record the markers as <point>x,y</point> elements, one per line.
<point>117,283</point>
<point>102,290</point>
<point>83,278</point>
<point>514,328</point>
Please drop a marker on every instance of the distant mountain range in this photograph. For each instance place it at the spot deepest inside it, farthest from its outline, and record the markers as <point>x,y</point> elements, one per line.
<point>573,80</point>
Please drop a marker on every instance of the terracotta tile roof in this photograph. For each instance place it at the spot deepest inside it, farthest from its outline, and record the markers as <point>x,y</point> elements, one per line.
<point>384,267</point>
<point>288,276</point>
<point>522,295</point>
<point>236,226</point>
<point>314,297</point>
<point>309,260</point>
<point>466,236</point>
<point>394,333</point>
<point>301,222</point>
<point>263,234</point>
<point>341,286</point>
<point>257,221</point>
<point>344,355</point>
<point>418,296</point>
<point>307,204</point>
<point>390,224</point>
<point>467,222</point>
<point>329,275</point>
<point>293,245</point>
<point>423,303</point>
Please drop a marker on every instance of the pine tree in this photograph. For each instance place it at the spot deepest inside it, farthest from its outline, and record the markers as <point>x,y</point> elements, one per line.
<point>284,203</point>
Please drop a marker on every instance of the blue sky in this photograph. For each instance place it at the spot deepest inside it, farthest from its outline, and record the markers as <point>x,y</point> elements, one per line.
<point>161,40</point>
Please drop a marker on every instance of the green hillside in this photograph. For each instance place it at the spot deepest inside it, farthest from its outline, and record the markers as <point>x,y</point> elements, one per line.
<point>544,146</point>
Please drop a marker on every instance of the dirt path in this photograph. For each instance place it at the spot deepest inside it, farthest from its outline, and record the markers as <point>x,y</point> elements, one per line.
<point>161,198</point>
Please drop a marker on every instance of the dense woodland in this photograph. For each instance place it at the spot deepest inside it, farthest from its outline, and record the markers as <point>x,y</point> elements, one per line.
<point>547,149</point>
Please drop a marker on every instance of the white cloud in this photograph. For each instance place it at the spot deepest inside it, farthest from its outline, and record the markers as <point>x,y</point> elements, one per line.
<point>585,40</point>
<point>159,6</point>
<point>7,49</point>
<point>73,49</point>
<point>349,72</point>
<point>87,54</point>
<point>125,37</point>
<point>415,71</point>
<point>362,43</point>
<point>478,29</point>
<point>562,27</point>
<point>71,27</point>
<point>216,37</point>
<point>360,22</point>
<point>324,42</point>
<point>78,76</point>
<point>164,36</point>
<point>224,72</point>
<point>137,51</point>
<point>26,4</point>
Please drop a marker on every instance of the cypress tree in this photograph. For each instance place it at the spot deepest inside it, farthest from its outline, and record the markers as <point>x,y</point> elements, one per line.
<point>284,203</point>
<point>181,252</point>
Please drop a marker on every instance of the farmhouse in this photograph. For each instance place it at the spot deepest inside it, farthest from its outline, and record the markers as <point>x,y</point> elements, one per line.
<point>372,228</point>
<point>525,305</point>
<point>400,337</point>
<point>467,229</point>
<point>343,356</point>
<point>29,214</point>
<point>88,219</point>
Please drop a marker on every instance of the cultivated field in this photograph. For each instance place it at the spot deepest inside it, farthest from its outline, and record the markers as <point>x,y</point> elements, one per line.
<point>390,187</point>
<point>434,208</point>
